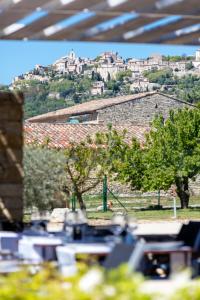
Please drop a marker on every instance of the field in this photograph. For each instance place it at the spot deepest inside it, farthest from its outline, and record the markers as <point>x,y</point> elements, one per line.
<point>143,208</point>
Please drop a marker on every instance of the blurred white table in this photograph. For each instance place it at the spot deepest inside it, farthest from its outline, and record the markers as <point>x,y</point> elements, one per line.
<point>92,248</point>
<point>38,249</point>
<point>66,254</point>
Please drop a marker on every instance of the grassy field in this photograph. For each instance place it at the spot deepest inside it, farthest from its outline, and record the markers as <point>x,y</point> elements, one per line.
<point>144,208</point>
<point>150,214</point>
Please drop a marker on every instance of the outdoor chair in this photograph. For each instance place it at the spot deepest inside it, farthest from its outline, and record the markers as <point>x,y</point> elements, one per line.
<point>123,253</point>
<point>120,254</point>
<point>38,249</point>
<point>9,241</point>
<point>66,260</point>
<point>188,233</point>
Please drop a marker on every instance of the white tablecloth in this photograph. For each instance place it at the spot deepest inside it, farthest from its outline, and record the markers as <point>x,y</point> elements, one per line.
<point>66,254</point>
<point>38,249</point>
<point>92,248</point>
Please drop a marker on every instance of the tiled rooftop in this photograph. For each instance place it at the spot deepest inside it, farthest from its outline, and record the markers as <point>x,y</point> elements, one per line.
<point>61,135</point>
<point>92,106</point>
<point>88,107</point>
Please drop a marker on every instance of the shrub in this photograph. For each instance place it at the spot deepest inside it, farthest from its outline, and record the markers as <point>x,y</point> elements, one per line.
<point>94,284</point>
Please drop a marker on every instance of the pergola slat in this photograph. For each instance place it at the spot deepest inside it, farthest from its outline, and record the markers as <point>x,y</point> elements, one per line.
<point>89,29</point>
<point>77,31</point>
<point>73,32</point>
<point>185,7</point>
<point>51,19</point>
<point>157,34</point>
<point>185,39</point>
<point>116,33</point>
<point>19,11</point>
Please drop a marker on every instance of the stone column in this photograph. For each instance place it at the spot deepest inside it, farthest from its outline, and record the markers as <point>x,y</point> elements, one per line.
<point>11,152</point>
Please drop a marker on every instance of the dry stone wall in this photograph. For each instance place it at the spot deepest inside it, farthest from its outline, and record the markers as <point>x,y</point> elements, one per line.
<point>125,190</point>
<point>140,111</point>
<point>11,142</point>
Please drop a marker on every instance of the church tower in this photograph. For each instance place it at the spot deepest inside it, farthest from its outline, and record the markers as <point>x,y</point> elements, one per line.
<point>72,55</point>
<point>198,55</point>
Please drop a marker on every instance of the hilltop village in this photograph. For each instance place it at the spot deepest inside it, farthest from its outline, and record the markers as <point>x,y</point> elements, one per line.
<point>72,80</point>
<point>109,64</point>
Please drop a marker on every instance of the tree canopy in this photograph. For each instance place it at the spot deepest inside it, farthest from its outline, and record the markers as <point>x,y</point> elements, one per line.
<point>173,152</point>
<point>44,178</point>
<point>84,169</point>
<point>160,76</point>
<point>170,155</point>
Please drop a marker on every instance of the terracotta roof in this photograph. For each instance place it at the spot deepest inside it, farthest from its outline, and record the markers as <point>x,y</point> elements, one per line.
<point>61,135</point>
<point>88,107</point>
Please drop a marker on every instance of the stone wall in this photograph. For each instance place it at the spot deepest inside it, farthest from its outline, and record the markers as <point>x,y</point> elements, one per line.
<point>11,142</point>
<point>125,190</point>
<point>140,111</point>
<point>195,186</point>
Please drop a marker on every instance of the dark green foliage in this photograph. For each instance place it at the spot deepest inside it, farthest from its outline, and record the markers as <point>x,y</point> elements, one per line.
<point>44,178</point>
<point>173,152</point>
<point>96,76</point>
<point>188,88</point>
<point>160,76</point>
<point>72,90</point>
<point>85,165</point>
<point>176,58</point>
<point>171,155</point>
<point>189,66</point>
<point>123,74</point>
<point>113,86</point>
<point>4,88</point>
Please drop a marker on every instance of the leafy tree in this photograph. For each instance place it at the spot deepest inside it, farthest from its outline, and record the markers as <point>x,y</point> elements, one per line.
<point>160,76</point>
<point>98,58</point>
<point>113,147</point>
<point>4,88</point>
<point>84,85</point>
<point>176,58</point>
<point>96,76</point>
<point>61,86</point>
<point>113,85</point>
<point>44,177</point>
<point>83,161</point>
<point>122,74</point>
<point>76,98</point>
<point>189,66</point>
<point>173,153</point>
<point>93,158</point>
<point>188,88</point>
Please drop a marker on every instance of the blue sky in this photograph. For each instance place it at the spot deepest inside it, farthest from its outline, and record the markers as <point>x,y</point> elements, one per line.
<point>17,57</point>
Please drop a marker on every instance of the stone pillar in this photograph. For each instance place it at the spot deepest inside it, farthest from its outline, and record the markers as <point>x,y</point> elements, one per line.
<point>11,152</point>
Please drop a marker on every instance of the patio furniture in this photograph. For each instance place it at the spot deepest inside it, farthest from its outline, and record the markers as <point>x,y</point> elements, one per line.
<point>188,233</point>
<point>120,254</point>
<point>9,241</point>
<point>67,255</point>
<point>38,249</point>
<point>178,256</point>
<point>100,249</point>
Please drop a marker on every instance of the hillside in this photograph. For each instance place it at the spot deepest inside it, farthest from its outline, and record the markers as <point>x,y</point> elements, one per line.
<point>72,80</point>
<point>64,92</point>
